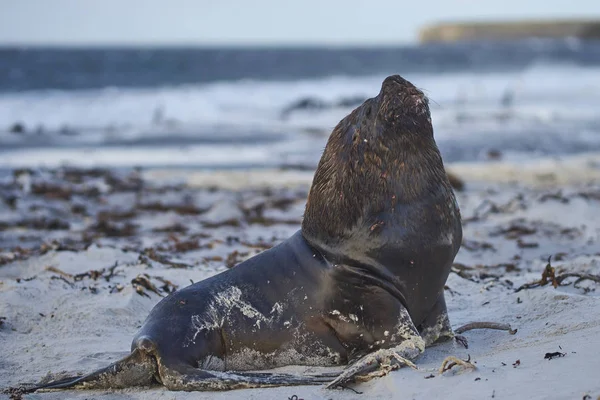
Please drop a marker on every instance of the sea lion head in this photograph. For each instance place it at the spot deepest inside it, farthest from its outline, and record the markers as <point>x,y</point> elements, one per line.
<point>382,155</point>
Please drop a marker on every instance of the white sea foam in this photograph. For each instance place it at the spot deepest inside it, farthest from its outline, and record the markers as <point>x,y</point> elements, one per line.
<point>553,108</point>
<point>538,90</point>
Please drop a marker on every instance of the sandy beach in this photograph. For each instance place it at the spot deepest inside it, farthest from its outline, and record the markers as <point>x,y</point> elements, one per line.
<point>87,253</point>
<point>146,147</point>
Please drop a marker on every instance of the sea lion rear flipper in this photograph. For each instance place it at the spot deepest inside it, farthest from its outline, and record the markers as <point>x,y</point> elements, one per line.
<point>188,378</point>
<point>137,369</point>
<point>57,384</point>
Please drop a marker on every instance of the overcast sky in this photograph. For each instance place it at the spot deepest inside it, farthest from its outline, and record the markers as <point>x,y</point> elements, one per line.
<point>217,22</point>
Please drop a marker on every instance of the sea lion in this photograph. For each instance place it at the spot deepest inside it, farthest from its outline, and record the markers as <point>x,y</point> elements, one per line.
<point>362,282</point>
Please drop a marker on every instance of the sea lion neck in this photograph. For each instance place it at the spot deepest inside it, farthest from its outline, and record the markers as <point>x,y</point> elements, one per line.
<point>353,196</point>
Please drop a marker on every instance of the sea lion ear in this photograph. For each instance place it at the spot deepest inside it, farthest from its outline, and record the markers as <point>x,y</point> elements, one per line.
<point>369,107</point>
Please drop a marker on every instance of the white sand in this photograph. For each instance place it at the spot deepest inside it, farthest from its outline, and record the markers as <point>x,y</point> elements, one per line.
<point>80,331</point>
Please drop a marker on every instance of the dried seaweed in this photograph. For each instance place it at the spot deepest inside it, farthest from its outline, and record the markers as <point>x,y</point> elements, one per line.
<point>451,362</point>
<point>486,325</point>
<point>549,276</point>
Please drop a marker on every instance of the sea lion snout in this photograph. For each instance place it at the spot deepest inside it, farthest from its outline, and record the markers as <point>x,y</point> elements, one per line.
<point>395,84</point>
<point>400,99</point>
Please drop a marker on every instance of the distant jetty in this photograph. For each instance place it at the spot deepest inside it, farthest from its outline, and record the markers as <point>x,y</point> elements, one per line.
<point>509,30</point>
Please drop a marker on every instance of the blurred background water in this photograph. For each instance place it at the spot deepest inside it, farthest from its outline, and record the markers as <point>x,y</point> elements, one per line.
<point>240,107</point>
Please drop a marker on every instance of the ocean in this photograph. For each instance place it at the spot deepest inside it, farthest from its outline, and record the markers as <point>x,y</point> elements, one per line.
<point>232,108</point>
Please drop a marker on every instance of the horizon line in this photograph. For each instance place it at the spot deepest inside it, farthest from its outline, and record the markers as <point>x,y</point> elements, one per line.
<point>227,44</point>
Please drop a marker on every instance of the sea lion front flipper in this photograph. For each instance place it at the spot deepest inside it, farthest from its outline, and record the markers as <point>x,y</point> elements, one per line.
<point>381,362</point>
<point>436,327</point>
<point>409,345</point>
